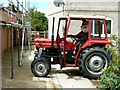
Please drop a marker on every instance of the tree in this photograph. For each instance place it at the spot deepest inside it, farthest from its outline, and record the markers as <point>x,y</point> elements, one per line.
<point>39,20</point>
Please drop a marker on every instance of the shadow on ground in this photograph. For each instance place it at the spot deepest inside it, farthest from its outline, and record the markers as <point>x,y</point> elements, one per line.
<point>23,78</point>
<point>71,73</point>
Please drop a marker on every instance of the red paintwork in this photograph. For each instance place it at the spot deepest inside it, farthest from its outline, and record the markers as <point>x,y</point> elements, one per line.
<point>46,43</point>
<point>90,43</point>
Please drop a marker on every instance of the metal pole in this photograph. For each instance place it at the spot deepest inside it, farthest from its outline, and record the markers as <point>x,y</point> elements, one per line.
<point>18,47</point>
<point>12,50</point>
<point>12,54</point>
<point>25,30</point>
<point>19,4</point>
<point>18,35</point>
<point>23,33</point>
<point>9,43</point>
<point>22,39</point>
<point>29,29</point>
<point>29,39</point>
<point>52,44</point>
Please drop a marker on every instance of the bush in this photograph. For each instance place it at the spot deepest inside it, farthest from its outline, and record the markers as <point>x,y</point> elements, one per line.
<point>111,76</point>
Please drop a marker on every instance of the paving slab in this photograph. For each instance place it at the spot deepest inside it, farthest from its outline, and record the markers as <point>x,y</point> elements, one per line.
<point>69,78</point>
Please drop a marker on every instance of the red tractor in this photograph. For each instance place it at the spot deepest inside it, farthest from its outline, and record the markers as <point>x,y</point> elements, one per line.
<point>87,52</point>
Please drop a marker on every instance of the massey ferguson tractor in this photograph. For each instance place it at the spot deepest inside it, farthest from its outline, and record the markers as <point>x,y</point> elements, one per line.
<point>87,52</point>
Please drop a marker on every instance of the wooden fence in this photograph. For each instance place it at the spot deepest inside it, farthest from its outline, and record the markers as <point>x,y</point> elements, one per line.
<point>42,34</point>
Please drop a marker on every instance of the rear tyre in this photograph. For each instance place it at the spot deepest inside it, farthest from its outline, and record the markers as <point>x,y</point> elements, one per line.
<point>93,61</point>
<point>41,67</point>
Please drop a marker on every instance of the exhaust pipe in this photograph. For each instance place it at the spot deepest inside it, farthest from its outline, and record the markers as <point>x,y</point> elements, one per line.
<point>52,43</point>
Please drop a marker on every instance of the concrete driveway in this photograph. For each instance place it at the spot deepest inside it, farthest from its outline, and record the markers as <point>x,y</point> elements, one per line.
<point>68,77</point>
<point>23,77</point>
<point>65,78</point>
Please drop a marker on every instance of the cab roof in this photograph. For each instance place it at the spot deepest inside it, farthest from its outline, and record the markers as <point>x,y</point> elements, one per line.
<point>86,17</point>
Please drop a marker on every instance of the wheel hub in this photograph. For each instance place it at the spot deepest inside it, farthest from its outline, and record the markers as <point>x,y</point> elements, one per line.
<point>96,63</point>
<point>40,68</point>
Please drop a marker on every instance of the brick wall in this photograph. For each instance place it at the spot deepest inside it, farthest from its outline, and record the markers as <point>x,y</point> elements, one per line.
<point>7,38</point>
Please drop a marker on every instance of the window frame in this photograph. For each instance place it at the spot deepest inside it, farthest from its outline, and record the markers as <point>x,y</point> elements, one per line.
<point>107,18</point>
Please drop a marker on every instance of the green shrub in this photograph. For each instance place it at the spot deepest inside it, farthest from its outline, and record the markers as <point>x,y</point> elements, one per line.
<point>111,76</point>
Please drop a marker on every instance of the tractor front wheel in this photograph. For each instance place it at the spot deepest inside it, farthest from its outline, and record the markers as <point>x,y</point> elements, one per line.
<point>94,61</point>
<point>41,67</point>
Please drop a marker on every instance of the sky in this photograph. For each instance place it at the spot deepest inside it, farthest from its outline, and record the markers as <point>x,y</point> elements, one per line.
<point>41,5</point>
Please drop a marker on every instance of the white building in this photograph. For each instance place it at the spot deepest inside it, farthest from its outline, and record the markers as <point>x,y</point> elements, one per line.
<point>108,8</point>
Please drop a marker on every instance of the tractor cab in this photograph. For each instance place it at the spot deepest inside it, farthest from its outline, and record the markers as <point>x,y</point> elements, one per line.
<point>80,42</point>
<point>73,43</point>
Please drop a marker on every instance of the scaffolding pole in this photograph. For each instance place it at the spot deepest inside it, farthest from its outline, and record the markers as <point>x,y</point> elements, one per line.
<point>29,29</point>
<point>18,47</point>
<point>26,26</point>
<point>23,31</point>
<point>29,39</point>
<point>12,32</point>
<point>21,54</point>
<point>19,63</point>
<point>12,47</point>
<point>12,54</point>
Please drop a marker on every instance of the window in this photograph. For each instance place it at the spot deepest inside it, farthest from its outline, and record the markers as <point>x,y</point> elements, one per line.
<point>108,23</point>
<point>97,29</point>
<point>62,26</point>
<point>75,27</point>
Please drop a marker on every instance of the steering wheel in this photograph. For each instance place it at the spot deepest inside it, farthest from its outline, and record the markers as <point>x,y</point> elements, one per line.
<point>73,38</point>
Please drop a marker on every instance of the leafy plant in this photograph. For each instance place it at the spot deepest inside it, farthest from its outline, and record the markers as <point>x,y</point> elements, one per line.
<point>39,20</point>
<point>111,77</point>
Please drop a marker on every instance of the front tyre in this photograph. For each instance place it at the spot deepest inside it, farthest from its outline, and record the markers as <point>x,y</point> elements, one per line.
<point>41,67</point>
<point>94,61</point>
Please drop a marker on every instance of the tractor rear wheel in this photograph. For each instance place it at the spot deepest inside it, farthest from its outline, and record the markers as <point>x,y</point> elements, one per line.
<point>41,67</point>
<point>93,61</point>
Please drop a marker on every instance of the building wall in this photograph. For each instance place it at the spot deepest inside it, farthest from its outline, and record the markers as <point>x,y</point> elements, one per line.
<point>109,8</point>
<point>51,25</point>
<point>53,12</point>
<point>5,37</point>
<point>113,16</point>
